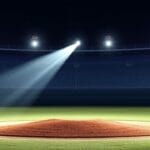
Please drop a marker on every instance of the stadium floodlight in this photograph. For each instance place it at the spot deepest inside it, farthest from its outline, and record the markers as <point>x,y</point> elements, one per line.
<point>34,43</point>
<point>78,43</point>
<point>108,43</point>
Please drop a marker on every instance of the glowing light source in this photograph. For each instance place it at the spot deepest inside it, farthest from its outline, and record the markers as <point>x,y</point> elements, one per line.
<point>35,42</point>
<point>78,43</point>
<point>108,43</point>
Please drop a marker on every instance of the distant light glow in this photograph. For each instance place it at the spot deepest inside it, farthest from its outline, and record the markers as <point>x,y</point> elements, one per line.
<point>35,43</point>
<point>78,43</point>
<point>108,43</point>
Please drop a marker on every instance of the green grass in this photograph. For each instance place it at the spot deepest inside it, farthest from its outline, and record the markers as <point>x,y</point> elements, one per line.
<point>110,113</point>
<point>43,144</point>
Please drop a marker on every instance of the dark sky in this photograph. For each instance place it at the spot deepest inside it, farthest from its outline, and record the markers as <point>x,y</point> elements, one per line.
<point>59,23</point>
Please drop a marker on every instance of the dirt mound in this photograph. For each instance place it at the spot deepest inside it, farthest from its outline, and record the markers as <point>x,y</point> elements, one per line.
<point>74,129</point>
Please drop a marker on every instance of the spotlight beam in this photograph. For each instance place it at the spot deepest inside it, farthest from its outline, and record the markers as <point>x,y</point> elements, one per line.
<point>33,75</point>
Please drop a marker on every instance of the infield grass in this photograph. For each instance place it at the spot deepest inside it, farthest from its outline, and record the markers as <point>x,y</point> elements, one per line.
<point>100,144</point>
<point>85,113</point>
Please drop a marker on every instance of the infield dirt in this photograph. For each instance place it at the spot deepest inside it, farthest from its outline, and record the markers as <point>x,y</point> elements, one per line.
<point>74,129</point>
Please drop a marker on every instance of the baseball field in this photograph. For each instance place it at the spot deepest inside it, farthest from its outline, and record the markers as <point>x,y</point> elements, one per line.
<point>75,128</point>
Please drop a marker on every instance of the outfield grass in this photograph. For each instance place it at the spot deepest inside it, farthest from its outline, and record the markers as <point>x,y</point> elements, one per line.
<point>44,144</point>
<point>109,113</point>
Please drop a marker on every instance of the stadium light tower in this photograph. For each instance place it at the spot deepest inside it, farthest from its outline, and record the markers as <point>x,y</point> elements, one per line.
<point>35,43</point>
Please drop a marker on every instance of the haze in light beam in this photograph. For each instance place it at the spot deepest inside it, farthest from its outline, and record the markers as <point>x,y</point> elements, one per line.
<point>36,73</point>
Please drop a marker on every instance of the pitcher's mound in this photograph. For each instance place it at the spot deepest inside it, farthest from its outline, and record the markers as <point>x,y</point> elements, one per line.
<point>74,129</point>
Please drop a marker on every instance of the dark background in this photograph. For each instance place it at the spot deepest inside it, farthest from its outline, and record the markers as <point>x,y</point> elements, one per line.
<point>111,78</point>
<point>59,23</point>
<point>86,78</point>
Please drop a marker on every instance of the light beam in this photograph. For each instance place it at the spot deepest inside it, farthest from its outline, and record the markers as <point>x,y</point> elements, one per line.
<point>32,75</point>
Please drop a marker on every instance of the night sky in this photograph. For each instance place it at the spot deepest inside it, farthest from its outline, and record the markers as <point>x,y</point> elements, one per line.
<point>86,78</point>
<point>59,23</point>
